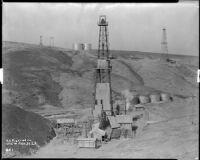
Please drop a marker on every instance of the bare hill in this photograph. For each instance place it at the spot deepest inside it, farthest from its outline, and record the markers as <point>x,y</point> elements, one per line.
<point>18,124</point>
<point>52,78</point>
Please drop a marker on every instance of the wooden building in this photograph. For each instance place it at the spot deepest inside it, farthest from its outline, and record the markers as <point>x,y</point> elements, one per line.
<point>113,131</point>
<point>125,122</point>
<point>88,143</point>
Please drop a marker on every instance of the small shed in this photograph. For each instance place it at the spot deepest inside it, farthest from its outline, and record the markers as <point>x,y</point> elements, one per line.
<point>88,143</point>
<point>125,121</point>
<point>113,131</point>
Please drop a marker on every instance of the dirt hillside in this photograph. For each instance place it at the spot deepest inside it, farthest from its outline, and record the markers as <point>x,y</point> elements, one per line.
<point>57,81</point>
<point>18,124</point>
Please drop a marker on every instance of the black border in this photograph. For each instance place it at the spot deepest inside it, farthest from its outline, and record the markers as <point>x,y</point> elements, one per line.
<point>77,1</point>
<point>100,1</point>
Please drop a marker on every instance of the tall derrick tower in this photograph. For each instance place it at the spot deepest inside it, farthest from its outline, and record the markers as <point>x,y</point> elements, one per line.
<point>103,91</point>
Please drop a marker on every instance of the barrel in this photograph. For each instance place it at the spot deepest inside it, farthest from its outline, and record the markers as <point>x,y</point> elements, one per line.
<point>144,99</point>
<point>165,97</point>
<point>155,98</point>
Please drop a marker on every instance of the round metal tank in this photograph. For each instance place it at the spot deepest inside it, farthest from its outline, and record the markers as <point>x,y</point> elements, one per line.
<point>155,98</point>
<point>165,97</point>
<point>135,100</point>
<point>144,99</point>
<point>77,46</point>
<point>87,46</point>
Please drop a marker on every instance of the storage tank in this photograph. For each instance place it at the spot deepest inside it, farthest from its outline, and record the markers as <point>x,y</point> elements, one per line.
<point>77,46</point>
<point>144,99</point>
<point>87,46</point>
<point>135,100</point>
<point>155,98</point>
<point>165,97</point>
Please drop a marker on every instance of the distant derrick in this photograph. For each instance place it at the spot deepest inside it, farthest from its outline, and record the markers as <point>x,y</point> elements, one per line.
<point>41,43</point>
<point>164,47</point>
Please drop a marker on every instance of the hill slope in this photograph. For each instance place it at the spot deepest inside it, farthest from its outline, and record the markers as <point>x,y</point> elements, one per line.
<point>42,77</point>
<point>19,124</point>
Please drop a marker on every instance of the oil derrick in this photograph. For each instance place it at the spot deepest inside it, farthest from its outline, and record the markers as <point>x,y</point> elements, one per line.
<point>103,91</point>
<point>41,44</point>
<point>164,48</point>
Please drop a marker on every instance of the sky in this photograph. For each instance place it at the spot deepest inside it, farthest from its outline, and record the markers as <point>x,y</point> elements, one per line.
<point>131,26</point>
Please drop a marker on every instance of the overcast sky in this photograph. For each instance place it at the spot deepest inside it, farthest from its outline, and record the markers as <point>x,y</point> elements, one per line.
<point>135,27</point>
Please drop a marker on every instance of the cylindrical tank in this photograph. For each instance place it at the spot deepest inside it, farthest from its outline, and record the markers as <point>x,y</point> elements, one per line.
<point>155,98</point>
<point>135,100</point>
<point>144,99</point>
<point>77,46</point>
<point>165,97</point>
<point>87,46</point>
